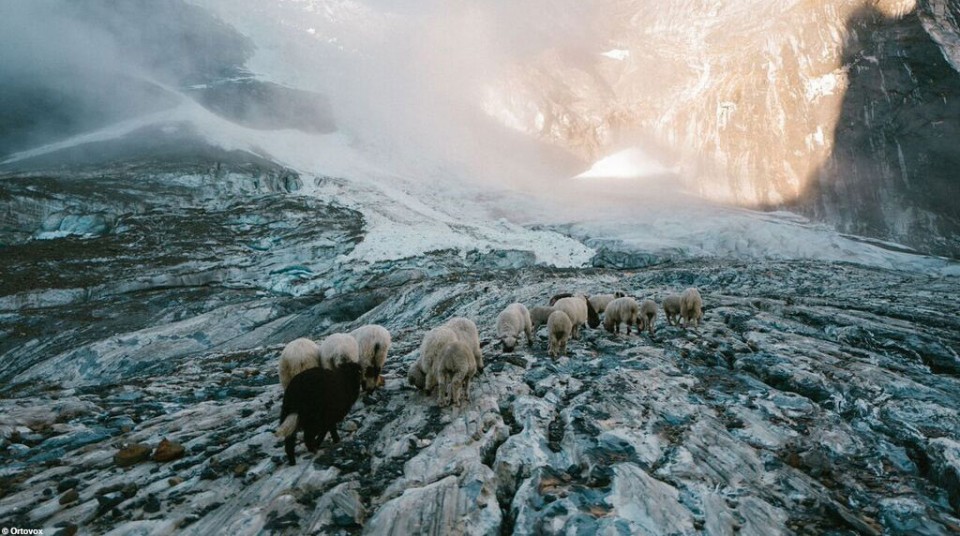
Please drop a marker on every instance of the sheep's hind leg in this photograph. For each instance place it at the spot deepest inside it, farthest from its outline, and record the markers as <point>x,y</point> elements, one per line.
<point>289,444</point>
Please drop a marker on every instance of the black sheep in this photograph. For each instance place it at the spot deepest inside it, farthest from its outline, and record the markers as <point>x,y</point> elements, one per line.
<point>317,399</point>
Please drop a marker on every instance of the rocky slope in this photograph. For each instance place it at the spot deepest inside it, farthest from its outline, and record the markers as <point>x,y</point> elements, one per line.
<point>817,397</point>
<point>151,271</point>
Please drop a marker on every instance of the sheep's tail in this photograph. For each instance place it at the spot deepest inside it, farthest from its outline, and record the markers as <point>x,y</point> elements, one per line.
<point>288,426</point>
<point>376,348</point>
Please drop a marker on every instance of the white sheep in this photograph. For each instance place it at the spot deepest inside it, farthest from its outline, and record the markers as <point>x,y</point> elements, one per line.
<point>539,316</point>
<point>621,310</point>
<point>415,376</point>
<point>691,307</point>
<point>296,357</point>
<point>579,311</point>
<point>601,301</point>
<point>430,348</point>
<point>453,368</point>
<point>648,316</point>
<point>559,328</point>
<point>671,308</point>
<point>511,322</point>
<point>337,349</point>
<point>373,342</point>
<point>467,333</point>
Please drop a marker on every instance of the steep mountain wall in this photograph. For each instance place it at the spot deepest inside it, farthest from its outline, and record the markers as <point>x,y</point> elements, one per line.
<point>843,110</point>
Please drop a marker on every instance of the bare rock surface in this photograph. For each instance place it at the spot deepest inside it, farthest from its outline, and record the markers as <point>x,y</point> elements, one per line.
<point>814,398</point>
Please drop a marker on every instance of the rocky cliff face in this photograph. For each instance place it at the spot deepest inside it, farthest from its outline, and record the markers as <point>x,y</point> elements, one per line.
<point>846,110</point>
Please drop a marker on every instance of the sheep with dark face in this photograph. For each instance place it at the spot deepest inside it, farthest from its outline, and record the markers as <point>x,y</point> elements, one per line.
<point>648,315</point>
<point>559,328</point>
<point>510,323</point>
<point>621,311</point>
<point>373,343</point>
<point>671,308</point>
<point>296,357</point>
<point>315,401</point>
<point>580,312</point>
<point>453,369</point>
<point>539,316</point>
<point>691,307</point>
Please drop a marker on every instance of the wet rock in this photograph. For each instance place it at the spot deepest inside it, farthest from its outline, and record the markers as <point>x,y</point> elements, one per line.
<point>69,529</point>
<point>17,450</point>
<point>132,455</point>
<point>945,467</point>
<point>168,451</point>
<point>152,504</point>
<point>66,484</point>
<point>69,497</point>
<point>129,489</point>
<point>108,501</point>
<point>122,423</point>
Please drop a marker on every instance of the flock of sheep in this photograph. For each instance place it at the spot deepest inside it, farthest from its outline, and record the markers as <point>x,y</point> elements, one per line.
<point>321,383</point>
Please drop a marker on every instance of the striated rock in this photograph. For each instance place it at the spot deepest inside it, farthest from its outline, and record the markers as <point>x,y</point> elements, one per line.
<point>649,505</point>
<point>945,466</point>
<point>465,505</point>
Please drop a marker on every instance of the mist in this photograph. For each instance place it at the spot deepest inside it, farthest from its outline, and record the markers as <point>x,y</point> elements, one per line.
<point>404,82</point>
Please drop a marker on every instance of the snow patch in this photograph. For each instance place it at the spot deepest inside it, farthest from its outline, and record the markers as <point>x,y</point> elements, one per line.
<point>618,54</point>
<point>630,163</point>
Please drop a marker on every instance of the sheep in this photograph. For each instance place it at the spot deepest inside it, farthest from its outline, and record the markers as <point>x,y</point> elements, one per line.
<point>559,328</point>
<point>539,316</point>
<point>430,349</point>
<point>453,368</point>
<point>558,297</point>
<point>601,301</point>
<point>648,315</point>
<point>580,311</point>
<point>296,357</point>
<point>373,342</point>
<point>671,308</point>
<point>467,333</point>
<point>621,310</point>
<point>415,376</point>
<point>691,307</point>
<point>511,321</point>
<point>315,401</point>
<point>337,349</point>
